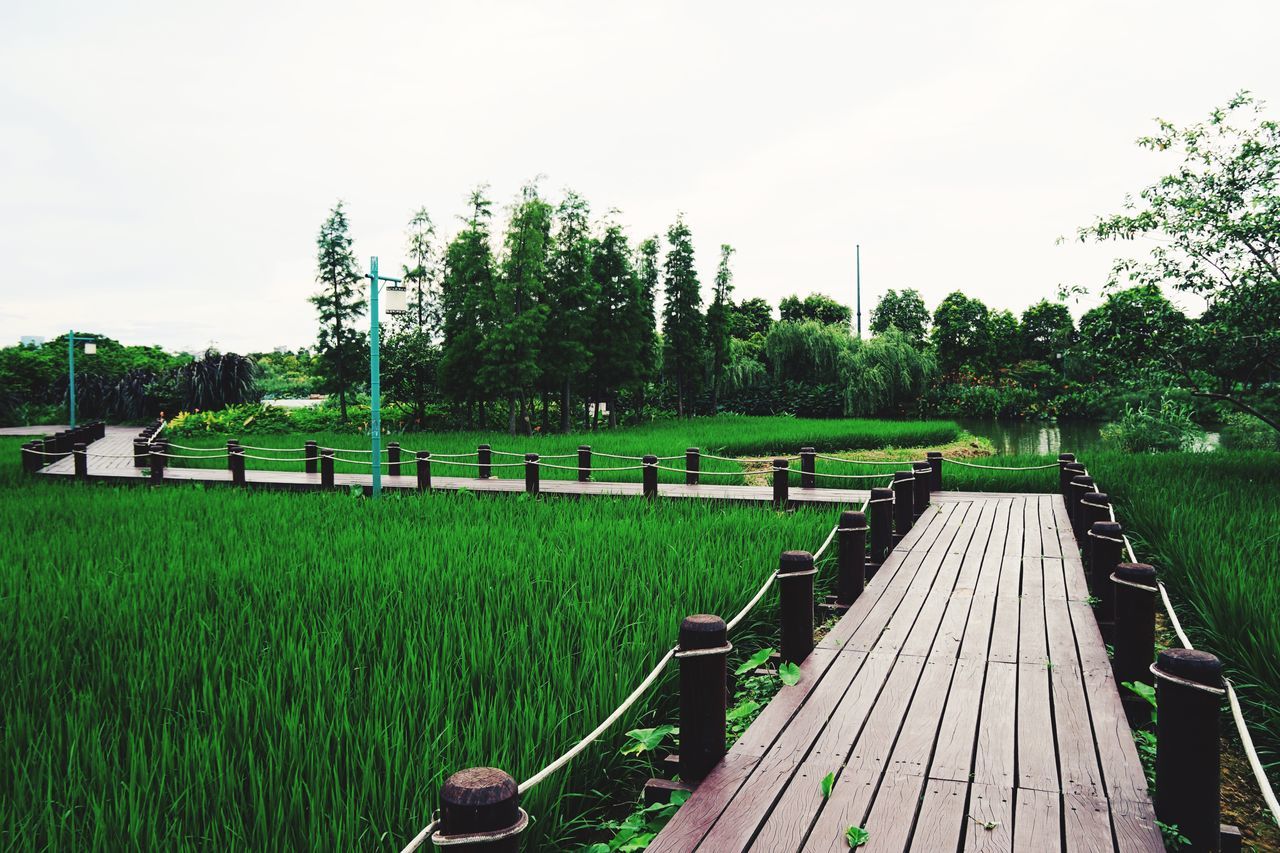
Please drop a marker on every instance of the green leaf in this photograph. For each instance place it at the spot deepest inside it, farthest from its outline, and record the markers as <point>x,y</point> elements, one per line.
<point>742,709</point>
<point>754,661</point>
<point>1146,691</point>
<point>789,673</point>
<point>647,740</point>
<point>640,842</point>
<point>856,836</point>
<point>828,782</point>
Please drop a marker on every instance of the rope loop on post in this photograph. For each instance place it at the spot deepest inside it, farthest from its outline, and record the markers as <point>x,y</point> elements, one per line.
<point>699,653</point>
<point>1186,682</point>
<point>1142,586</point>
<point>439,839</point>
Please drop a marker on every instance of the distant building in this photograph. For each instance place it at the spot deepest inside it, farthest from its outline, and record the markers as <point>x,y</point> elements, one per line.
<point>31,340</point>
<point>283,350</point>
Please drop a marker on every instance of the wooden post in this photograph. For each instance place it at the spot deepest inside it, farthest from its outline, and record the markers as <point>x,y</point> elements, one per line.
<point>1106,540</point>
<point>1095,507</point>
<point>532,483</point>
<point>1188,770</point>
<point>1065,459</point>
<point>393,459</point>
<point>480,800</point>
<point>692,466</point>
<point>27,456</point>
<point>237,469</point>
<point>584,463</point>
<point>424,470</point>
<point>311,457</point>
<point>231,457</point>
<point>1070,471</point>
<point>1081,485</point>
<point>484,455</point>
<point>881,507</point>
<point>156,462</point>
<point>808,468</point>
<point>795,608</point>
<point>851,556</point>
<point>781,482</point>
<point>934,458</point>
<point>923,472</point>
<point>903,508</point>
<point>326,468</point>
<point>1134,636</point>
<point>139,453</point>
<point>649,476</point>
<point>703,651</point>
<point>80,450</point>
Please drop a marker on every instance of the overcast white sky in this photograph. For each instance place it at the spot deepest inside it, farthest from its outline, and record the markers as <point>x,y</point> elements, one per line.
<point>165,166</point>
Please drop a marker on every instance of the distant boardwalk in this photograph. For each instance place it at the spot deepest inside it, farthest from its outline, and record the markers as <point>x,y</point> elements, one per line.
<point>965,702</point>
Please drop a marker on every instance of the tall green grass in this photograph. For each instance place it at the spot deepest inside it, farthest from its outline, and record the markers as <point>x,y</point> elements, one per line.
<point>225,669</point>
<point>1210,524</point>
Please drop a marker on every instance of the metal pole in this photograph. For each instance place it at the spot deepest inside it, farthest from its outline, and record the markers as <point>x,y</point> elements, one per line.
<point>375,389</point>
<point>858,261</point>
<point>71,374</point>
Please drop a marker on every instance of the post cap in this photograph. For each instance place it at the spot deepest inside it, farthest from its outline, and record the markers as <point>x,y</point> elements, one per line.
<point>691,450</point>
<point>1074,466</point>
<point>1143,573</point>
<point>584,447</point>
<point>1191,664</point>
<point>1107,528</point>
<point>1066,457</point>
<point>1082,481</point>
<point>483,447</point>
<point>881,493</point>
<point>904,475</point>
<point>531,457</point>
<point>423,454</point>
<point>1097,497</point>
<point>794,561</point>
<point>853,518</point>
<point>933,454</point>
<point>807,450</point>
<point>479,799</point>
<point>702,631</point>
<point>921,466</point>
<point>781,463</point>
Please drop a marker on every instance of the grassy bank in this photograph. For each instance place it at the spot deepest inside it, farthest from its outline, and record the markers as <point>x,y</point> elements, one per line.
<point>228,670</point>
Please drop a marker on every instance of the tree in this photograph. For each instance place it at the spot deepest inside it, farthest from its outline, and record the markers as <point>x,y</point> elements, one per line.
<point>513,349</point>
<point>1047,330</point>
<point>571,298</point>
<point>422,275</point>
<point>683,326</point>
<point>1005,337</point>
<point>718,323</point>
<point>343,350</point>
<point>903,311</point>
<point>816,307</point>
<point>750,317</point>
<point>962,334</point>
<point>622,330</point>
<point>647,275</point>
<point>1131,333</point>
<point>1216,220</point>
<point>467,307</point>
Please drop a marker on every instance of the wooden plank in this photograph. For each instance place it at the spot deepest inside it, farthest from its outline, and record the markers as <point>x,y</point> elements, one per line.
<point>989,806</point>
<point>1031,531</point>
<point>958,729</point>
<point>1037,758</point>
<point>1038,822</point>
<point>1079,771</point>
<point>1121,770</point>
<point>1135,827</point>
<point>952,593</point>
<point>941,823</point>
<point>919,732</point>
<point>994,758</point>
<point>1013,541</point>
<point>1048,526</point>
<point>1087,825</point>
<point>893,813</point>
<point>1033,643</point>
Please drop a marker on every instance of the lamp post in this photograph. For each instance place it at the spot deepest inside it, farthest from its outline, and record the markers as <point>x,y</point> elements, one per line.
<point>90,347</point>
<point>396,304</point>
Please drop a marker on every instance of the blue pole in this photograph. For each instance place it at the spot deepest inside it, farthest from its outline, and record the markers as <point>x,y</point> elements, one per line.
<point>71,374</point>
<point>375,389</point>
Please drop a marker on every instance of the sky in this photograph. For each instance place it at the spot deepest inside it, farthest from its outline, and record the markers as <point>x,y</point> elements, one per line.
<point>164,167</point>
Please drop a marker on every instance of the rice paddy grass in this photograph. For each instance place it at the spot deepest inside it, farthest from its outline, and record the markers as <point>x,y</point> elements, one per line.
<point>230,669</point>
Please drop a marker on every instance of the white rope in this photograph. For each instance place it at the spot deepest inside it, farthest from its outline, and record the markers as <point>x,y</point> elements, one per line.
<point>478,464</point>
<point>600,729</point>
<point>844,476</point>
<point>1001,467</point>
<point>755,599</point>
<point>830,536</point>
<point>542,464</point>
<point>615,456</point>
<point>703,473</point>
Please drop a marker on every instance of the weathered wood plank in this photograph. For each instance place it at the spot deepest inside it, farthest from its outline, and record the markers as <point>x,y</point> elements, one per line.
<point>941,823</point>
<point>1038,822</point>
<point>990,819</point>
<point>1086,825</point>
<point>993,762</point>
<point>1037,757</point>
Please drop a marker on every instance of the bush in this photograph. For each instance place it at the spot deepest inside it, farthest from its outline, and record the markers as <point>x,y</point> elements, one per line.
<point>1241,431</point>
<point>1154,429</point>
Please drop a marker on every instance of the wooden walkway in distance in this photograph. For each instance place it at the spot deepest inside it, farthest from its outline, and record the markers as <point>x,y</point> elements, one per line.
<point>966,702</point>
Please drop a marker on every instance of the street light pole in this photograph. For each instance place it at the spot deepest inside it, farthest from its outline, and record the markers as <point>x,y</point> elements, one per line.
<point>858,266</point>
<point>375,373</point>
<point>71,369</point>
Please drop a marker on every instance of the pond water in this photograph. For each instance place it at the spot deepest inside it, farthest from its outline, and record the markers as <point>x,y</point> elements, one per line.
<point>1048,437</point>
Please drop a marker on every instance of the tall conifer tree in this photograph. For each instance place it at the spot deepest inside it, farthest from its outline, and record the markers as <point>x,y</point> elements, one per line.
<point>571,298</point>
<point>718,319</point>
<point>467,309</point>
<point>343,349</point>
<point>683,326</point>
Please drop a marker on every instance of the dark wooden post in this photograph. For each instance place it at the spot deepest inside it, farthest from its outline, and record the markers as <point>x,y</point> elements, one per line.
<point>80,450</point>
<point>649,476</point>
<point>881,507</point>
<point>231,457</point>
<point>808,468</point>
<point>393,459</point>
<point>236,456</point>
<point>326,468</point>
<point>28,456</point>
<point>532,483</point>
<point>703,651</point>
<point>781,482</point>
<point>1094,507</point>
<point>1065,459</point>
<point>903,509</point>
<point>851,556</point>
<point>795,608</point>
<point>584,463</point>
<point>923,472</point>
<point>156,462</point>
<point>424,470</point>
<point>692,466</point>
<point>934,458</point>
<point>1081,485</point>
<point>1134,636</point>
<point>139,453</point>
<point>1188,771</point>
<point>481,800</point>
<point>1106,544</point>
<point>311,456</point>
<point>484,455</point>
<point>1072,470</point>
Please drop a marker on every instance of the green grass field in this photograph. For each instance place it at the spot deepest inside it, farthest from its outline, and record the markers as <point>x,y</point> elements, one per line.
<point>223,669</point>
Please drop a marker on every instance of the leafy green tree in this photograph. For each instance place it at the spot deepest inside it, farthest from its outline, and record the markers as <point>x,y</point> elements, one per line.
<point>513,349</point>
<point>962,334</point>
<point>571,298</point>
<point>750,317</point>
<point>422,274</point>
<point>1131,333</point>
<point>623,327</point>
<point>1005,340</point>
<point>1047,330</point>
<point>343,349</point>
<point>903,311</point>
<point>647,276</point>
<point>467,307</point>
<point>1215,226</point>
<point>683,326</point>
<point>816,307</point>
<point>718,324</point>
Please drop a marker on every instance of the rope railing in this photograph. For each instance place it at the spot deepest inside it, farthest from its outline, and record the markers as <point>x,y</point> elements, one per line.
<point>955,461</point>
<point>898,463</point>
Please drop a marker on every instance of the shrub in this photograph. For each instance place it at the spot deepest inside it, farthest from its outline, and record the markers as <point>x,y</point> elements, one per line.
<point>1153,429</point>
<point>1241,431</point>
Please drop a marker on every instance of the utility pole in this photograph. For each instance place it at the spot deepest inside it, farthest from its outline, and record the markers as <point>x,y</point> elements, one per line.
<point>396,296</point>
<point>90,347</point>
<point>858,266</point>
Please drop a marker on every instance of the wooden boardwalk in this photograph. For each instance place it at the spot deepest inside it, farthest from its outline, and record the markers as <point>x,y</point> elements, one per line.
<point>966,702</point>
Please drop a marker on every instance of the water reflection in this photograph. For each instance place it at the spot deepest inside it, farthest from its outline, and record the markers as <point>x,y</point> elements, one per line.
<point>1051,438</point>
